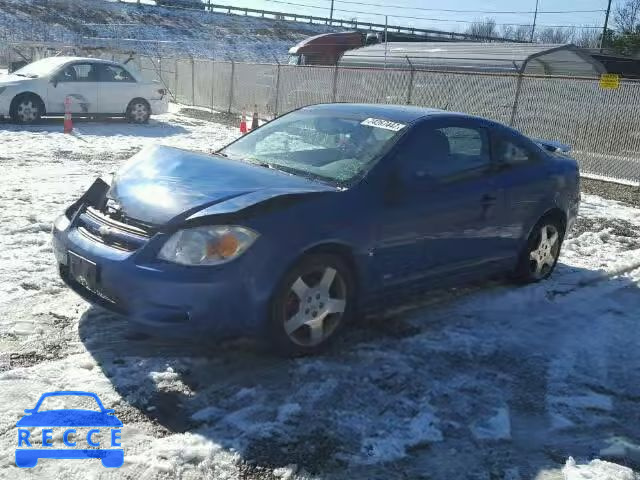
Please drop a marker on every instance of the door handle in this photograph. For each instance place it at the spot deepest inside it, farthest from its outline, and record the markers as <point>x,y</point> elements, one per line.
<point>486,198</point>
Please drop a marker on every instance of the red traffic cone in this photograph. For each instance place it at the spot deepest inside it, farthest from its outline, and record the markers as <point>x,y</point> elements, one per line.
<point>243,124</point>
<point>68,123</point>
<point>254,120</point>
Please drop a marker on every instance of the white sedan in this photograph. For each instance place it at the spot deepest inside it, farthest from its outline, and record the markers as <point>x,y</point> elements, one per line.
<point>95,87</point>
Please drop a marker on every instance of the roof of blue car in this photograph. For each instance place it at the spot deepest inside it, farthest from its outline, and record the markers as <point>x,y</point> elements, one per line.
<point>398,113</point>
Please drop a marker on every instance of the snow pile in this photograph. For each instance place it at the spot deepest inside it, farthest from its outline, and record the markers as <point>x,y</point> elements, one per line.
<point>490,381</point>
<point>596,470</point>
<point>152,30</point>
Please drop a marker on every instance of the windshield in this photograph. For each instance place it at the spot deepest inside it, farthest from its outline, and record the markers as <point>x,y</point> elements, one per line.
<point>318,144</point>
<point>40,68</point>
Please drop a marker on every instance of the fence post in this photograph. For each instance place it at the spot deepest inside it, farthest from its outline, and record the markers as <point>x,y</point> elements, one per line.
<point>213,84</point>
<point>334,89</point>
<point>275,107</point>
<point>233,72</point>
<point>514,109</point>
<point>193,82</point>
<point>410,88</point>
<point>175,86</point>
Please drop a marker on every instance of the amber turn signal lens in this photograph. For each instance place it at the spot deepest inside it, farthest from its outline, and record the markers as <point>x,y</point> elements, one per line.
<point>225,247</point>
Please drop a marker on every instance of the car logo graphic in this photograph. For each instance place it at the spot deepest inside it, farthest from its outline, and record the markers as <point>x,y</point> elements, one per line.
<point>28,453</point>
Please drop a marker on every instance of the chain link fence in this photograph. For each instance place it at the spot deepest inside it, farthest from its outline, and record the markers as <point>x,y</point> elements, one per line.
<point>602,126</point>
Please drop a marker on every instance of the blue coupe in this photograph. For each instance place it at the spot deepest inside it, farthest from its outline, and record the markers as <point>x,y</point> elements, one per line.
<point>290,230</point>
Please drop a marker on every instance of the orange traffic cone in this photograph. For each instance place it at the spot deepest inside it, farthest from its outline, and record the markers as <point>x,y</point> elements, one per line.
<point>68,123</point>
<point>243,124</point>
<point>254,120</point>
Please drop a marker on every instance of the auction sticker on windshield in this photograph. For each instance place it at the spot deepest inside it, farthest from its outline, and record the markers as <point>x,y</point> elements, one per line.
<point>386,124</point>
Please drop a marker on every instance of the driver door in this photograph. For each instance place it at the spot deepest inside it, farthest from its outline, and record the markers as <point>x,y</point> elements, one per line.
<point>79,81</point>
<point>446,213</point>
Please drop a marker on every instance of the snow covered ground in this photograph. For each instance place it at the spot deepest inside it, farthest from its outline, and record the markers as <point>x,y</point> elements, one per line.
<point>487,382</point>
<point>152,30</point>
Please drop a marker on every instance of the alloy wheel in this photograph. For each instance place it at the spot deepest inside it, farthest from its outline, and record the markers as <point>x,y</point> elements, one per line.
<point>545,253</point>
<point>139,112</point>
<point>27,111</point>
<point>314,306</point>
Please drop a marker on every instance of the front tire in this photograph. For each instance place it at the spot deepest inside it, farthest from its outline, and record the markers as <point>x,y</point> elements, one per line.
<point>312,303</point>
<point>26,109</point>
<point>540,255</point>
<point>138,111</point>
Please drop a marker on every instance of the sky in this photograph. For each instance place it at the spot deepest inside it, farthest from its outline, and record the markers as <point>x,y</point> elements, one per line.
<point>442,19</point>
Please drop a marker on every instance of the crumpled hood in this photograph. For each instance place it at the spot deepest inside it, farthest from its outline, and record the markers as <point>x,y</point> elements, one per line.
<point>162,184</point>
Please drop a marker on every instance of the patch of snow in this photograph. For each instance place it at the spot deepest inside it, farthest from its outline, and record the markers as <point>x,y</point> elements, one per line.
<point>150,30</point>
<point>537,367</point>
<point>496,427</point>
<point>392,440</point>
<point>596,470</point>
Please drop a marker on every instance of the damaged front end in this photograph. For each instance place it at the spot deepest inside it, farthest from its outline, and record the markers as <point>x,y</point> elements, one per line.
<point>99,219</point>
<point>170,239</point>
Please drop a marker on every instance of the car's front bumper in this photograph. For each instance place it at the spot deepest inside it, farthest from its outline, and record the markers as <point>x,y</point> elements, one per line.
<point>163,298</point>
<point>5,105</point>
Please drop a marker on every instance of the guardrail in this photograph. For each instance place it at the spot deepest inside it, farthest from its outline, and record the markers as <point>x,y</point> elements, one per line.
<point>355,24</point>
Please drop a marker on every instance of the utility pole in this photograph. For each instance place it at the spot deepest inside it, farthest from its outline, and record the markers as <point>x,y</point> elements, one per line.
<point>331,14</point>
<point>535,17</point>
<point>606,24</point>
<point>386,24</point>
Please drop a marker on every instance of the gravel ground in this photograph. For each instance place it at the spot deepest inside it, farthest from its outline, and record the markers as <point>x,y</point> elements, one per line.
<point>612,191</point>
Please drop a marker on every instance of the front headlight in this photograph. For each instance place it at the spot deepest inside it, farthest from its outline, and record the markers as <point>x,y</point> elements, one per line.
<point>209,245</point>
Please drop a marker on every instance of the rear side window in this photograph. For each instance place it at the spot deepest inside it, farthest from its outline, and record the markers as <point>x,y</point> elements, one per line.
<point>511,153</point>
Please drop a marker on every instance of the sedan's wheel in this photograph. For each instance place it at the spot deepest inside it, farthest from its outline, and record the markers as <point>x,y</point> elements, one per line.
<point>138,112</point>
<point>542,251</point>
<point>26,110</point>
<point>314,300</point>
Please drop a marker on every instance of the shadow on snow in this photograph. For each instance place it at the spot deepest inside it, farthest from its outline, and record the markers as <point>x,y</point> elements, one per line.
<point>418,394</point>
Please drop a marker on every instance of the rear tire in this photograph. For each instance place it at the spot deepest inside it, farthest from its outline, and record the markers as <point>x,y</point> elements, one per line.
<point>26,109</point>
<point>540,254</point>
<point>313,302</point>
<point>138,111</point>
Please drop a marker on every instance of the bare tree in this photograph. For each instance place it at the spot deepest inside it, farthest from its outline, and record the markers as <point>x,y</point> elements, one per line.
<point>627,16</point>
<point>555,35</point>
<point>520,33</point>
<point>587,37</point>
<point>483,28</point>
